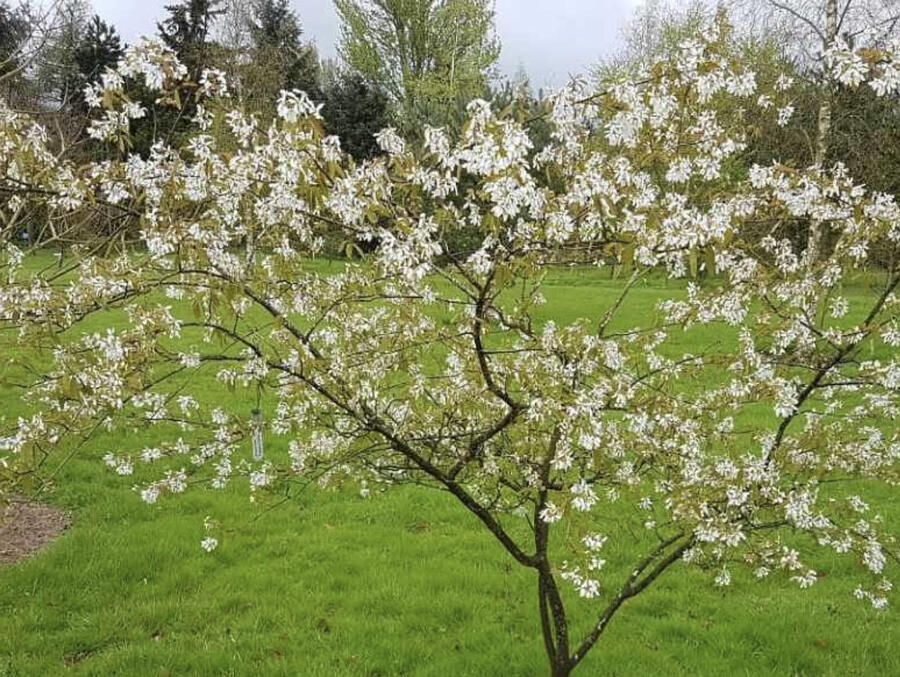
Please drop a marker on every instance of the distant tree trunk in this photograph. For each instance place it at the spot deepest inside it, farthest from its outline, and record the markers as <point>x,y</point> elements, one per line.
<point>823,133</point>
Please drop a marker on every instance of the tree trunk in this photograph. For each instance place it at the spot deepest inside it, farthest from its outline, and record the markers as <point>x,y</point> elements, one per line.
<point>823,132</point>
<point>553,624</point>
<point>561,670</point>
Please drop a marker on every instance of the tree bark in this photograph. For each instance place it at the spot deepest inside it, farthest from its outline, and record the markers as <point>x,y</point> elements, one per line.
<point>824,129</point>
<point>553,623</point>
<point>823,133</point>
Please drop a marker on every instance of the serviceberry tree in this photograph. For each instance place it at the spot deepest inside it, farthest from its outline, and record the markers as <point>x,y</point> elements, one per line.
<point>418,366</point>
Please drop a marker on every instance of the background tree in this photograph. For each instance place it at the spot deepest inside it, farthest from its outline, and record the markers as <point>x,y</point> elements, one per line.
<point>430,56</point>
<point>231,34</point>
<point>278,44</point>
<point>279,58</point>
<point>13,34</point>
<point>100,48</point>
<point>656,30</point>
<point>824,122</point>
<point>355,110</point>
<point>58,73</point>
<point>808,29</point>
<point>261,49</point>
<point>186,31</point>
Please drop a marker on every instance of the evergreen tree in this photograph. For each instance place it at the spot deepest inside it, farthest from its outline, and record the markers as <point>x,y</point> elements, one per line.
<point>275,24</point>
<point>13,32</point>
<point>100,48</point>
<point>186,31</point>
<point>278,46</point>
<point>355,111</point>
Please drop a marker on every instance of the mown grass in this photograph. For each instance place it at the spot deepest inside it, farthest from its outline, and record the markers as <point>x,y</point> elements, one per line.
<point>405,583</point>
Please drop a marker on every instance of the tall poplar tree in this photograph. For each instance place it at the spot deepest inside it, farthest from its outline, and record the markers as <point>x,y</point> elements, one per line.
<point>430,56</point>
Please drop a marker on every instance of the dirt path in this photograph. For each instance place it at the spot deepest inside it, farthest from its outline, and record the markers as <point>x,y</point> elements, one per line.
<point>26,527</point>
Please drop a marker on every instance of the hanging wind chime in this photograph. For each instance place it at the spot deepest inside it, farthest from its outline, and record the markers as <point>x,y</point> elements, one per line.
<point>256,429</point>
<point>256,434</point>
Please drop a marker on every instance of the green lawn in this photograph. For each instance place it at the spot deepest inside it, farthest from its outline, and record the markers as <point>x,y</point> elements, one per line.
<point>405,583</point>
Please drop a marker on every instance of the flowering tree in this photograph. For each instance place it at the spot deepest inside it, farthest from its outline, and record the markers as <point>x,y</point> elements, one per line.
<point>418,366</point>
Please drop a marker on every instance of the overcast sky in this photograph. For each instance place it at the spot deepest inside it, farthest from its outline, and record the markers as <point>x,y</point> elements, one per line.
<point>551,39</point>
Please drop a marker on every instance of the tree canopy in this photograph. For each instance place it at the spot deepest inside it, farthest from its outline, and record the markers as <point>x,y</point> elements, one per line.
<point>186,31</point>
<point>355,111</point>
<point>279,49</point>
<point>99,48</point>
<point>430,56</point>
<point>418,364</point>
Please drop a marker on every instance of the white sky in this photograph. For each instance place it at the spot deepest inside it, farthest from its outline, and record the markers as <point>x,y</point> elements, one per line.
<point>551,39</point>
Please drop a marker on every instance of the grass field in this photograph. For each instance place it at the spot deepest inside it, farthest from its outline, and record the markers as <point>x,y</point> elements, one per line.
<point>405,583</point>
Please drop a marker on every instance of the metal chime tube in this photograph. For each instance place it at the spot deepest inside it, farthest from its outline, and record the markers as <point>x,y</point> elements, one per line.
<point>257,434</point>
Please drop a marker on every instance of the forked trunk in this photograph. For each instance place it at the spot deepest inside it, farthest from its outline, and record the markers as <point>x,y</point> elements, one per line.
<point>553,624</point>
